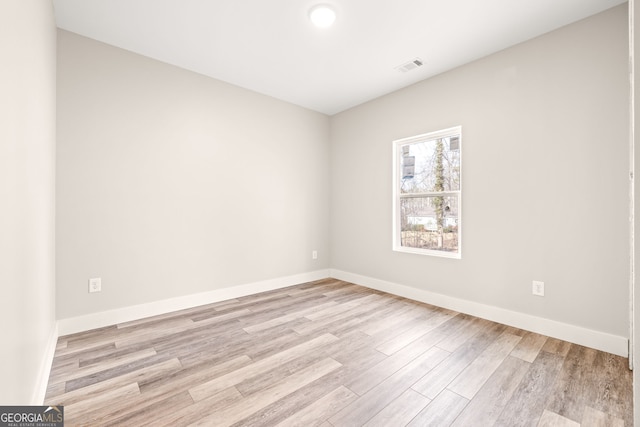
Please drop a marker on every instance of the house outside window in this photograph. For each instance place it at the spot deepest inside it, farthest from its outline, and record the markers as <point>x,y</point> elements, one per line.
<point>427,174</point>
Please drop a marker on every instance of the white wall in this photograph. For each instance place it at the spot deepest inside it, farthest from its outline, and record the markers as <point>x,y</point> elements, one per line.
<point>545,192</point>
<point>171,183</point>
<point>27,207</point>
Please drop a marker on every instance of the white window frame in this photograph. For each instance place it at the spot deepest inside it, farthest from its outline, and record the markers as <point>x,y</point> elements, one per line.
<point>397,181</point>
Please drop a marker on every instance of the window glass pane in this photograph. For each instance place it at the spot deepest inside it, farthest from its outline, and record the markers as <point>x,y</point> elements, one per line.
<point>429,223</point>
<point>432,165</point>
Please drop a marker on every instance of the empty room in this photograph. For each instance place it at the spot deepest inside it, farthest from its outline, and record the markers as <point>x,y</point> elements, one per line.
<point>318,213</point>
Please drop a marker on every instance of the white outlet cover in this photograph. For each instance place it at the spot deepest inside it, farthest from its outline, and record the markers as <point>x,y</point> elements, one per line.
<point>537,288</point>
<point>95,285</point>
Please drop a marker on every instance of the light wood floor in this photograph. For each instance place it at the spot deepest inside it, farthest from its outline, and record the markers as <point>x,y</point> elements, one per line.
<point>330,353</point>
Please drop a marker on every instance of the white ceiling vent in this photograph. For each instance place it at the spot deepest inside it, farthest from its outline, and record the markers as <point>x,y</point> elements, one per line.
<point>411,65</point>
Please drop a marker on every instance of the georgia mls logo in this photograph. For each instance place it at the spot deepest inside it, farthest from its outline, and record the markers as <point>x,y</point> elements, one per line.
<point>31,416</point>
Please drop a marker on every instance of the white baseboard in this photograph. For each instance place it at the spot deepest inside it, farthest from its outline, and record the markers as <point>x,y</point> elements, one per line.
<point>40,389</point>
<point>575,334</point>
<point>126,314</point>
<point>587,337</point>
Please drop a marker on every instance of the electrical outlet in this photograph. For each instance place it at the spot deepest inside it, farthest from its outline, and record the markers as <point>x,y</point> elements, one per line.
<point>538,288</point>
<point>95,285</point>
<point>314,254</point>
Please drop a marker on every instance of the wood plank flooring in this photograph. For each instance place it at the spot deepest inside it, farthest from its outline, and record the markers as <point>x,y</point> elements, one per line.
<point>329,354</point>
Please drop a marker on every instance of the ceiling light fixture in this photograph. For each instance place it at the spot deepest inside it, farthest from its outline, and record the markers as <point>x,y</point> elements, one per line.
<point>322,15</point>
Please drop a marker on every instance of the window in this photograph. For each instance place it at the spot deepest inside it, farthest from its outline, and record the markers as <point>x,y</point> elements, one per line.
<point>427,193</point>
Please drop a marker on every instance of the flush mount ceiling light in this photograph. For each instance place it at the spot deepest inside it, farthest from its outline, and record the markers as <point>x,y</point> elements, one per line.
<point>322,15</point>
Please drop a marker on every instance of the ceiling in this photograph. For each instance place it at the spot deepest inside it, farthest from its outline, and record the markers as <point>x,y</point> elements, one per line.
<point>269,46</point>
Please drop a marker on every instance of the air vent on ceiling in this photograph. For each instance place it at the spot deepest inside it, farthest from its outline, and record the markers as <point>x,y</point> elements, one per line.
<point>411,65</point>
